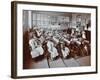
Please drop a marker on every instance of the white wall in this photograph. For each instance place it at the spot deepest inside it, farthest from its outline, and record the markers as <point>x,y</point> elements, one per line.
<point>25,20</point>
<point>5,41</point>
<point>38,19</point>
<point>33,18</point>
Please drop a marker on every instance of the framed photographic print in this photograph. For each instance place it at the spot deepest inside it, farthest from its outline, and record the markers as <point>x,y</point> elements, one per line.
<point>49,39</point>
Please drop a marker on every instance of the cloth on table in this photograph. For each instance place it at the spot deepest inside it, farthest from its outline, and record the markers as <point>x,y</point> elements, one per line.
<point>65,52</point>
<point>32,43</point>
<point>52,50</point>
<point>37,52</point>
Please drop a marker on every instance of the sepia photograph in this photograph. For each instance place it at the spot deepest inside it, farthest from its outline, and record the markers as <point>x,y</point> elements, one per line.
<point>53,39</point>
<point>56,39</point>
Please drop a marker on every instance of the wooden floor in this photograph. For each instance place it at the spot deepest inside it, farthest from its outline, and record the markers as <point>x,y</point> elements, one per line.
<point>44,63</point>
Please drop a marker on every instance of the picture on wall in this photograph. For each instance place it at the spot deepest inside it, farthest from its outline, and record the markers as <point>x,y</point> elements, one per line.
<point>53,39</point>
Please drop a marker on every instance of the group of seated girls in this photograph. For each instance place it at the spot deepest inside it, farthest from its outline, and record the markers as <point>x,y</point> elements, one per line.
<point>58,43</point>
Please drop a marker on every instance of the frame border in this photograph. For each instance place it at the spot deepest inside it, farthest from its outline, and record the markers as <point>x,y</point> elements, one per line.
<point>14,38</point>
